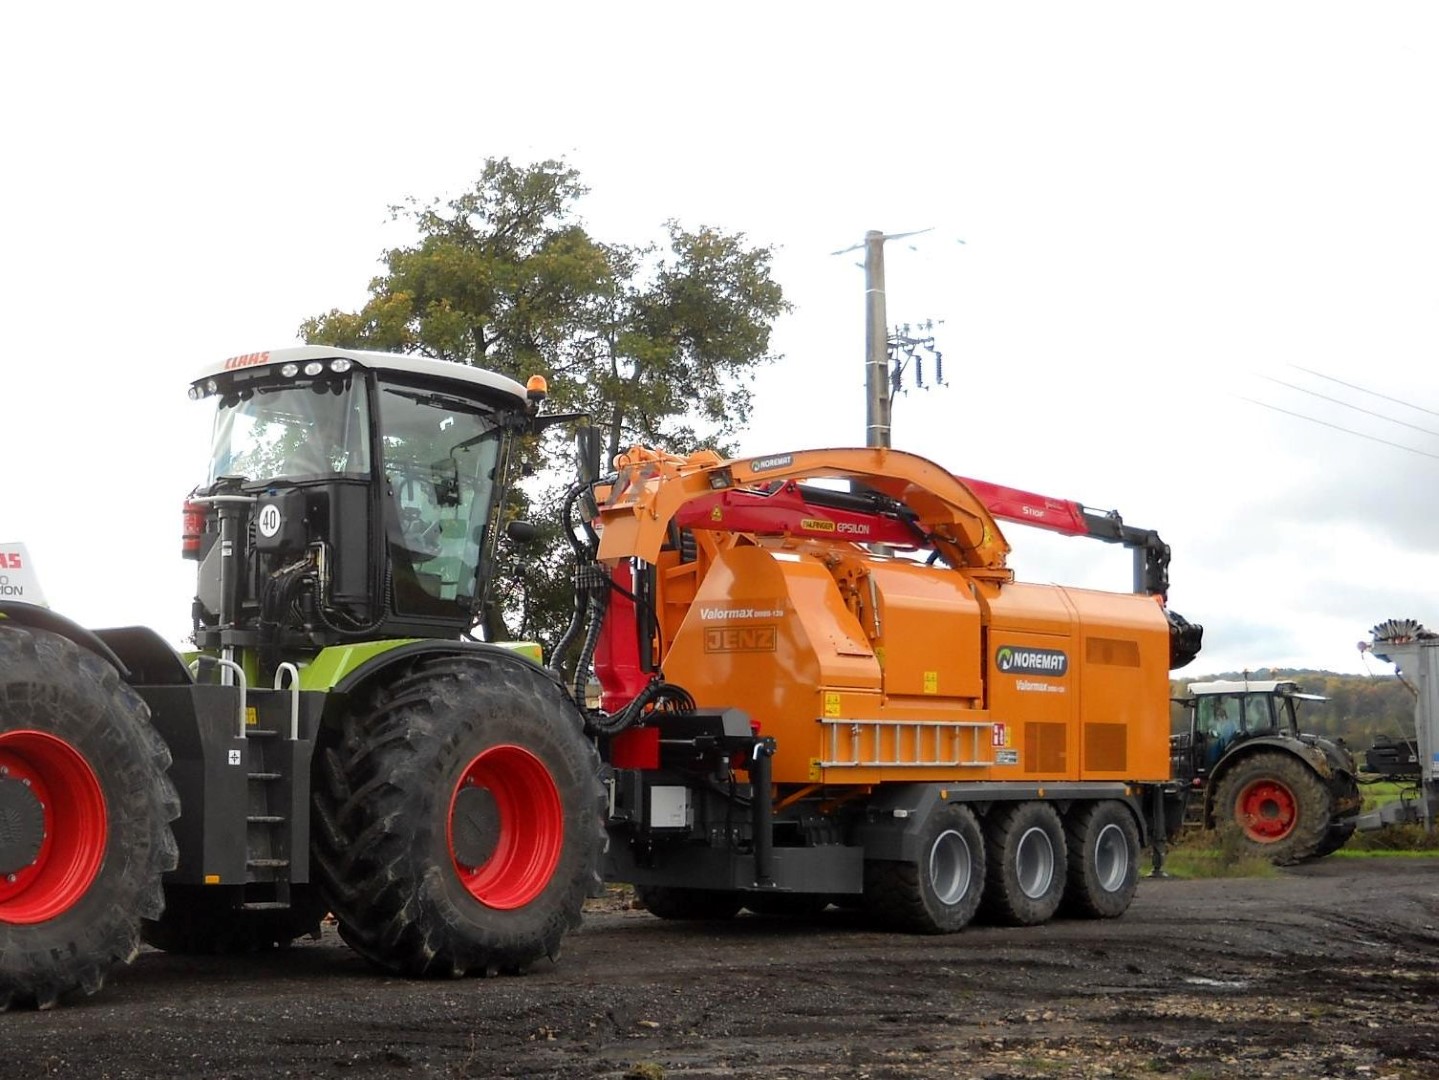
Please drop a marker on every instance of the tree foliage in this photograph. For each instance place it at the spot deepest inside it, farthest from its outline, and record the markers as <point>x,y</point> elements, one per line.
<point>659,344</point>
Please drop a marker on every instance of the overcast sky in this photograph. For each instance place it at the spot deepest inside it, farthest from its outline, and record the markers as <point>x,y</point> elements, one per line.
<point>1177,221</point>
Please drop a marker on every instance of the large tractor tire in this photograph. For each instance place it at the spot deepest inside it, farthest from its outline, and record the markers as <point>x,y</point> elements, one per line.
<point>1272,805</point>
<point>939,892</point>
<point>202,920</point>
<point>1103,872</point>
<point>85,806</point>
<point>700,905</point>
<point>457,825</point>
<point>1027,863</point>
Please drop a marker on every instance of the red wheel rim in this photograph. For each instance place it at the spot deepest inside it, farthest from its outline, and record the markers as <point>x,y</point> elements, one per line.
<point>1266,810</point>
<point>75,827</point>
<point>528,830</point>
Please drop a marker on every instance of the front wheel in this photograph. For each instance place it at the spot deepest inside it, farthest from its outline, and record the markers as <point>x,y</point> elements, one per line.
<point>1273,806</point>
<point>85,812</point>
<point>457,826</point>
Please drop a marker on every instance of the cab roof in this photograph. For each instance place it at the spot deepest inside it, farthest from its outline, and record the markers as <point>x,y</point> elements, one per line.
<point>402,363</point>
<point>1285,687</point>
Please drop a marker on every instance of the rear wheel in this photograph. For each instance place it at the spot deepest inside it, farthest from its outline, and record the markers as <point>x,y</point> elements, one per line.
<point>1103,873</point>
<point>666,902</point>
<point>1027,860</point>
<point>939,892</point>
<point>457,826</point>
<point>1274,807</point>
<point>86,808</point>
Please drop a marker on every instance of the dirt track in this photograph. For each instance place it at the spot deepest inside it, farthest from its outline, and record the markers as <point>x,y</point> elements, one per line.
<point>1328,970</point>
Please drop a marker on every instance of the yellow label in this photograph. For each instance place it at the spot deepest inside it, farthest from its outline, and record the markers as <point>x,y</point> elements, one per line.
<point>814,770</point>
<point>816,525</point>
<point>251,716</point>
<point>212,879</point>
<point>879,656</point>
<point>831,704</point>
<point>931,682</point>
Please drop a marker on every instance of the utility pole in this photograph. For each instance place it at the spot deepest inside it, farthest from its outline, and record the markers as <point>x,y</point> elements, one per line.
<point>878,393</point>
<point>876,332</point>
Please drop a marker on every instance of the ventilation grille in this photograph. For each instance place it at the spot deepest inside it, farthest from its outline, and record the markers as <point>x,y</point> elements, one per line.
<point>1105,748</point>
<point>1113,651</point>
<point>1044,747</point>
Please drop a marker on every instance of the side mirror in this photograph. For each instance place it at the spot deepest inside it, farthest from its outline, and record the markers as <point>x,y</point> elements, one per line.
<point>522,532</point>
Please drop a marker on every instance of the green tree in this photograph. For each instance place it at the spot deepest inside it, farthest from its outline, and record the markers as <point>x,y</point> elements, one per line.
<point>658,344</point>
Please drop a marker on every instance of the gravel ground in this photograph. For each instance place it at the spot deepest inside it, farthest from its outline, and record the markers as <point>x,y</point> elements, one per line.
<point>1327,970</point>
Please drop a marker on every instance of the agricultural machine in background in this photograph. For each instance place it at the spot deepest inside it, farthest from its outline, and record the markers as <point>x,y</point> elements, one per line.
<point>1411,648</point>
<point>1286,795</point>
<point>1247,765</point>
<point>809,695</point>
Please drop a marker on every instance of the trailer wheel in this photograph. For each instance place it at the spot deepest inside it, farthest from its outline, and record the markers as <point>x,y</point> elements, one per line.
<point>1274,807</point>
<point>939,892</point>
<point>1025,880</point>
<point>457,824</point>
<point>667,902</point>
<point>203,920</point>
<point>1103,843</point>
<point>86,807</point>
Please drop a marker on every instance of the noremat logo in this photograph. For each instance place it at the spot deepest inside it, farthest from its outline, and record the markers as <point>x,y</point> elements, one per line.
<point>1013,660</point>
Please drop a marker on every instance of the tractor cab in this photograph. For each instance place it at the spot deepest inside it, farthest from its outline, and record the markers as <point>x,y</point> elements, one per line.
<point>351,495</point>
<point>1225,714</point>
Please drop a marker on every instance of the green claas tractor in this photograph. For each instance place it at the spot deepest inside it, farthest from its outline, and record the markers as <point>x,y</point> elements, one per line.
<point>337,743</point>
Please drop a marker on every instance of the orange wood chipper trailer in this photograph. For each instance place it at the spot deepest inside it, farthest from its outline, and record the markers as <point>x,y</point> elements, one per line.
<point>822,684</point>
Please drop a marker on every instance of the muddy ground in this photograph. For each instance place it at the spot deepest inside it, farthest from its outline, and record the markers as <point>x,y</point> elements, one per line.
<point>1329,970</point>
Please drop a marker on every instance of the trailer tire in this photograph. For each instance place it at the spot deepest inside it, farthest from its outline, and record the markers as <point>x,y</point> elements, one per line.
<point>939,892</point>
<point>1025,880</point>
<point>668,902</point>
<point>203,920</point>
<point>1273,806</point>
<point>87,805</point>
<point>1103,872</point>
<point>457,822</point>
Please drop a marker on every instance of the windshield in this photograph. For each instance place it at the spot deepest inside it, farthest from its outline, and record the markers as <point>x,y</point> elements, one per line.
<point>292,431</point>
<point>442,458</point>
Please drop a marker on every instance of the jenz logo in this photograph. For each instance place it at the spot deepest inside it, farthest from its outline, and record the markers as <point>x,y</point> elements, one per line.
<point>1014,660</point>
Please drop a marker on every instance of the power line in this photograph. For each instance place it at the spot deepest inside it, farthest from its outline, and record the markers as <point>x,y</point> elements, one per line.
<point>1363,390</point>
<point>1349,405</point>
<point>1337,427</point>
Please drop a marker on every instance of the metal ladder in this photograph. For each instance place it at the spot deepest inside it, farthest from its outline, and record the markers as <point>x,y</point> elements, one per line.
<point>266,836</point>
<point>906,744</point>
